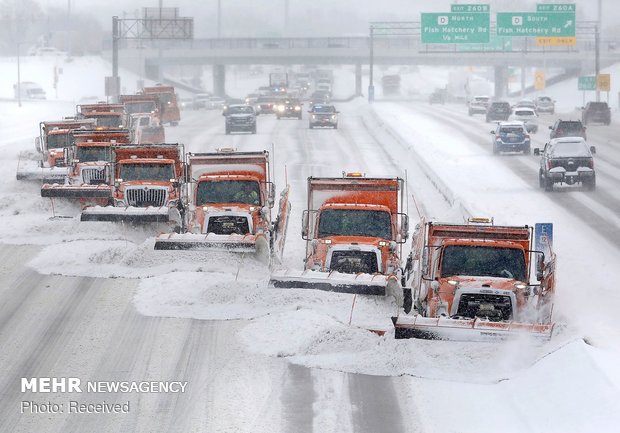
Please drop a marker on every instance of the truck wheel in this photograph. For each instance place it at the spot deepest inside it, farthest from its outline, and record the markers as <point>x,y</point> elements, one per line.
<point>407,301</point>
<point>254,130</point>
<point>548,185</point>
<point>336,126</point>
<point>527,150</point>
<point>311,126</point>
<point>227,131</point>
<point>541,179</point>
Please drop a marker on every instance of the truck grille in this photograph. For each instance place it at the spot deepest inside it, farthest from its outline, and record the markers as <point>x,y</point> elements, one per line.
<point>146,196</point>
<point>94,175</point>
<point>492,307</point>
<point>228,224</point>
<point>353,262</point>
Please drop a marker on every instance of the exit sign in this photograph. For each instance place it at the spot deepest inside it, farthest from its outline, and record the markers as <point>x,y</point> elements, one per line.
<point>470,8</point>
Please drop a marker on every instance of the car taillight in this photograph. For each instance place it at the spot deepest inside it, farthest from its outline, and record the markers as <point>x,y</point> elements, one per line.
<point>549,165</point>
<point>527,137</point>
<point>591,163</point>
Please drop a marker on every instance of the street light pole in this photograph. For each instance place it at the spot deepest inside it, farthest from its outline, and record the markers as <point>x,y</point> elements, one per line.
<point>286,10</point>
<point>219,19</point>
<point>371,84</point>
<point>19,85</point>
<point>597,62</point>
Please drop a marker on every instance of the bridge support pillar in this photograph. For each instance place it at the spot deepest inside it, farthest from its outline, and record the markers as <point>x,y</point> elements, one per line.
<point>501,75</point>
<point>219,80</point>
<point>358,79</point>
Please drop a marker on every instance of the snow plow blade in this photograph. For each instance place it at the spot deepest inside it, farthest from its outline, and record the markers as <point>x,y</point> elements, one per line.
<point>32,170</point>
<point>128,214</point>
<point>444,328</point>
<point>76,191</point>
<point>208,242</point>
<point>360,284</point>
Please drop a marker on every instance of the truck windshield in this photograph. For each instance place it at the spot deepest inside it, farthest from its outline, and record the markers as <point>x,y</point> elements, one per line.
<point>147,171</point>
<point>58,141</point>
<point>109,121</point>
<point>344,222</point>
<point>240,109</point>
<point>228,191</point>
<point>139,107</point>
<point>92,153</point>
<point>483,261</point>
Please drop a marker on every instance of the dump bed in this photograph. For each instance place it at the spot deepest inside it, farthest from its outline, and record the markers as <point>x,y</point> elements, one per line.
<point>438,232</point>
<point>100,108</point>
<point>232,163</point>
<point>153,151</point>
<point>355,190</point>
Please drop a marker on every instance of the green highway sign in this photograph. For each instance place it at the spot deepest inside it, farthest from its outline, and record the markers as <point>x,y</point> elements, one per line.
<point>535,24</point>
<point>586,83</point>
<point>455,28</point>
<point>566,7</point>
<point>470,8</point>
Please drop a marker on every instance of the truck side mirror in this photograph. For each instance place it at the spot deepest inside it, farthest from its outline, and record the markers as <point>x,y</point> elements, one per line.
<point>272,195</point>
<point>550,127</point>
<point>65,156</point>
<point>404,228</point>
<point>37,144</point>
<point>537,151</point>
<point>593,150</point>
<point>304,225</point>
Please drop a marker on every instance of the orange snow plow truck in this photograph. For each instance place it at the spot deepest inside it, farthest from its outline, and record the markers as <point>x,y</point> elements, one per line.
<point>229,199</point>
<point>54,137</point>
<point>145,187</point>
<point>88,162</point>
<point>167,103</point>
<point>354,229</point>
<point>471,282</point>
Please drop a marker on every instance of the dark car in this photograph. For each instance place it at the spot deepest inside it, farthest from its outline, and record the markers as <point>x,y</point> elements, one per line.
<point>240,118</point>
<point>566,160</point>
<point>567,128</point>
<point>288,108</point>
<point>596,112</point>
<point>511,137</point>
<point>498,110</point>
<point>232,101</point>
<point>323,115</point>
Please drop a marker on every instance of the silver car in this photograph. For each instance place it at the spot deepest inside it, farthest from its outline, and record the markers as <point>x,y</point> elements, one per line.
<point>545,104</point>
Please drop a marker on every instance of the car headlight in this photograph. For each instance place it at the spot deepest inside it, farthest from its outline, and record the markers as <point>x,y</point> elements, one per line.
<point>280,107</point>
<point>334,117</point>
<point>313,117</point>
<point>297,108</point>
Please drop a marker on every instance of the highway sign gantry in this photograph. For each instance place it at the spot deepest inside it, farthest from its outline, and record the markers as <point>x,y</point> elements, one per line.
<point>456,27</point>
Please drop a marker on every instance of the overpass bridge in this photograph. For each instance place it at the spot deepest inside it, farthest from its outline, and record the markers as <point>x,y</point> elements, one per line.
<point>392,50</point>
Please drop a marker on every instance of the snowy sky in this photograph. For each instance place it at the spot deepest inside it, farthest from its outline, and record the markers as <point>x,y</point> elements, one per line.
<point>307,16</point>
